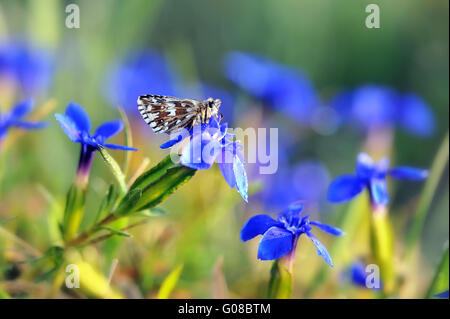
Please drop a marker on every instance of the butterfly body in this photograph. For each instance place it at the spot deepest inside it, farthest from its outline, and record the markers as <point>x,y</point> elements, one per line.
<point>166,114</point>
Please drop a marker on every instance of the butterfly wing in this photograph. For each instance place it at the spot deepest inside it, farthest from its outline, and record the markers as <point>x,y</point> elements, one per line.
<point>167,114</point>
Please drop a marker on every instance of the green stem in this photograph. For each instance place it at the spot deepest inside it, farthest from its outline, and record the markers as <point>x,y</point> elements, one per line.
<point>436,173</point>
<point>282,275</point>
<point>76,197</point>
<point>115,169</point>
<point>149,190</point>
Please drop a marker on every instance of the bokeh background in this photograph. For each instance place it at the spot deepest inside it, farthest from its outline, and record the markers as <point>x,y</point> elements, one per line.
<point>203,48</point>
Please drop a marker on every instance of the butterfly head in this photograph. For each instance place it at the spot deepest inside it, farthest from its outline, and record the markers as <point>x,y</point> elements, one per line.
<point>213,106</point>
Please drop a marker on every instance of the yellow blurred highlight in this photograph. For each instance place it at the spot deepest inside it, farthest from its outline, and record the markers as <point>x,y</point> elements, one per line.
<point>383,247</point>
<point>92,283</point>
<point>169,283</point>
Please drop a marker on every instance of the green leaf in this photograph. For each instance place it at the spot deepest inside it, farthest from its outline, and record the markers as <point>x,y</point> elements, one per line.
<point>441,277</point>
<point>128,138</point>
<point>55,257</point>
<point>107,203</point>
<point>138,199</point>
<point>115,231</point>
<point>115,169</point>
<point>280,283</point>
<point>128,203</point>
<point>169,283</point>
<point>153,212</point>
<point>153,174</point>
<point>158,191</point>
<point>74,210</point>
<point>436,173</point>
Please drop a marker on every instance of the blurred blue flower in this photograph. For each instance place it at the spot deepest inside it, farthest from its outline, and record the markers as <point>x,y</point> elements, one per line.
<point>443,295</point>
<point>28,67</point>
<point>145,72</point>
<point>286,89</point>
<point>210,142</point>
<point>374,106</point>
<point>415,116</point>
<point>307,180</point>
<point>358,274</point>
<point>280,236</point>
<point>372,176</point>
<point>14,117</point>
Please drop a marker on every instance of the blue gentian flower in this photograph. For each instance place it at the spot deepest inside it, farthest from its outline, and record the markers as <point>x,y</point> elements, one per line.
<point>144,72</point>
<point>372,176</point>
<point>443,295</point>
<point>374,106</point>
<point>286,89</point>
<point>77,126</point>
<point>14,117</point>
<point>280,236</point>
<point>29,68</point>
<point>210,142</point>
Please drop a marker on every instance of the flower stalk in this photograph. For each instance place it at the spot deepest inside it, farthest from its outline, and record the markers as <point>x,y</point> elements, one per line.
<point>282,275</point>
<point>279,243</point>
<point>382,246</point>
<point>76,198</point>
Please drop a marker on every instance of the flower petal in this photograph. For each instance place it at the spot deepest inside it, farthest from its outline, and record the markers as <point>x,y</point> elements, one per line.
<point>21,109</point>
<point>78,116</point>
<point>382,167</point>
<point>406,172</point>
<point>201,152</point>
<point>344,188</point>
<point>416,116</point>
<point>275,243</point>
<point>69,127</point>
<point>327,228</point>
<point>119,147</point>
<point>257,225</point>
<point>241,178</point>
<point>321,250</point>
<point>108,129</point>
<point>172,142</point>
<point>364,165</point>
<point>213,123</point>
<point>228,173</point>
<point>378,190</point>
<point>443,294</point>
